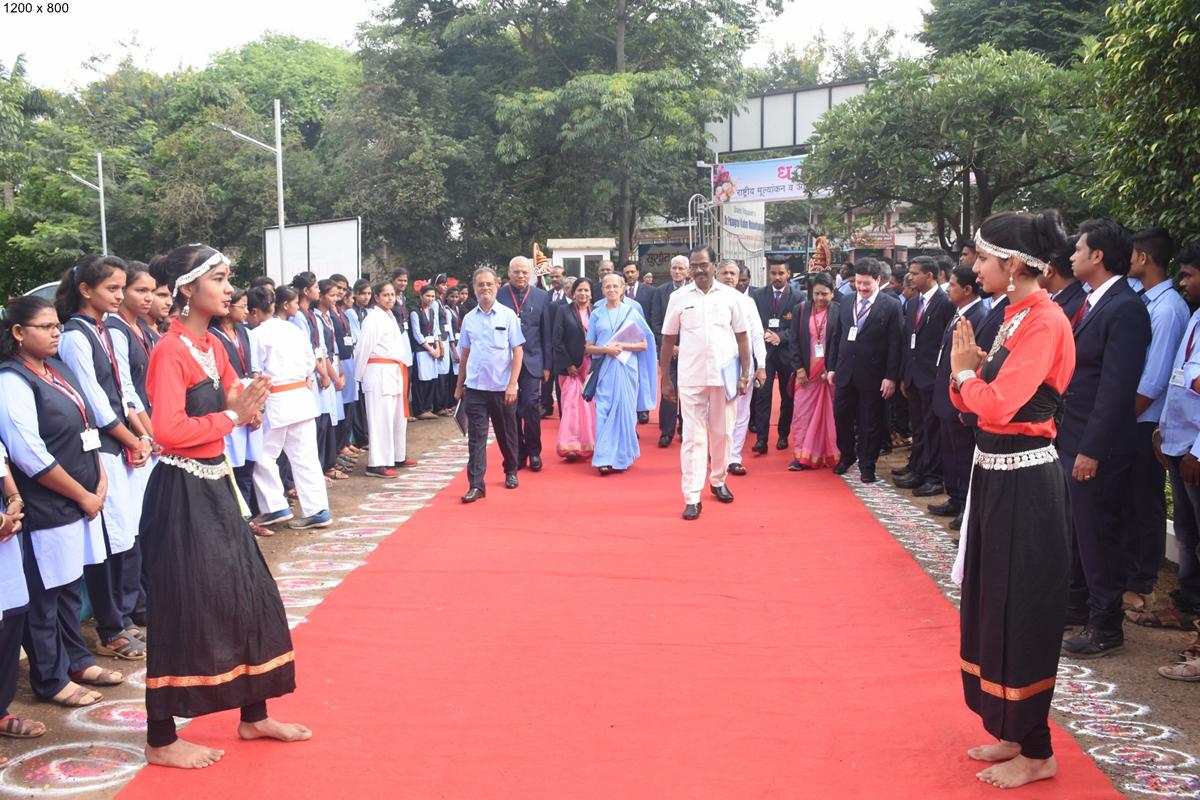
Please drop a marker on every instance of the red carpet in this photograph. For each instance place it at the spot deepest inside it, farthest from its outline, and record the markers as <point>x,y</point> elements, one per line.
<point>576,639</point>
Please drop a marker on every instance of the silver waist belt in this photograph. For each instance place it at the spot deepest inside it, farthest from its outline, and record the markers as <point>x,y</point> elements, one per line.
<point>209,472</point>
<point>1009,461</point>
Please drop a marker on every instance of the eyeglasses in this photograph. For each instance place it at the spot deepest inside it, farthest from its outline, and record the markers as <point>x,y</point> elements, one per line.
<point>45,326</point>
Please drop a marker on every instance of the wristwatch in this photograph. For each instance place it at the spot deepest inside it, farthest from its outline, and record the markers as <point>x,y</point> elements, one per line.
<point>963,377</point>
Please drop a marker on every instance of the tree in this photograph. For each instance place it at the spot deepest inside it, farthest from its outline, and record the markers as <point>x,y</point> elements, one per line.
<point>1012,121</point>
<point>821,61</point>
<point>1148,151</point>
<point>1054,29</point>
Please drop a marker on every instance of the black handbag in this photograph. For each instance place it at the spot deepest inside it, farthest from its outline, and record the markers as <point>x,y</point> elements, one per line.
<point>589,388</point>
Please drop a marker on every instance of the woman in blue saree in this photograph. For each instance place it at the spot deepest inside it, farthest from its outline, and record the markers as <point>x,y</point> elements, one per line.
<point>626,384</point>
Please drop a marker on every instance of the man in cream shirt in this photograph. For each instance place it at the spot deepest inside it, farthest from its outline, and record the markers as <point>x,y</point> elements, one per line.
<point>708,320</point>
<point>727,273</point>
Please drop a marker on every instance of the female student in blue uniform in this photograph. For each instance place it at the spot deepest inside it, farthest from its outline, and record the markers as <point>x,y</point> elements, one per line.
<point>243,445</point>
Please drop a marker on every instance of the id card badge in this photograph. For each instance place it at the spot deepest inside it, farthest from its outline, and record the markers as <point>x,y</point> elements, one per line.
<point>1177,379</point>
<point>501,337</point>
<point>348,340</point>
<point>912,342</point>
<point>853,334</point>
<point>773,323</point>
<point>91,440</point>
<point>430,339</point>
<point>819,349</point>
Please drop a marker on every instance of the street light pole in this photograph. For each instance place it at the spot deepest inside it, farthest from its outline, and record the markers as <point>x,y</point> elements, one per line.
<point>277,151</point>
<point>95,188</point>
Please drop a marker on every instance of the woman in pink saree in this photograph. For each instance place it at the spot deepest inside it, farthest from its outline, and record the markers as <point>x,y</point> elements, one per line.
<point>814,326</point>
<point>577,427</point>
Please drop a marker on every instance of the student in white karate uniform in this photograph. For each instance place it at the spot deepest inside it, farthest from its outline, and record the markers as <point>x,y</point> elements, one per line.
<point>727,273</point>
<point>381,361</point>
<point>284,354</point>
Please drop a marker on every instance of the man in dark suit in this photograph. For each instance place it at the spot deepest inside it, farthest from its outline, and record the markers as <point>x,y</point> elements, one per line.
<point>644,295</point>
<point>533,307</point>
<point>925,318</point>
<point>776,303</point>
<point>668,410</point>
<point>957,439</point>
<point>558,297</point>
<point>1096,440</point>
<point>866,356</point>
<point>1059,282</point>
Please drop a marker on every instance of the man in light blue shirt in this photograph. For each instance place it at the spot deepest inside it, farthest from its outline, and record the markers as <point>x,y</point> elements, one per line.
<point>1178,441</point>
<point>1144,532</point>
<point>491,349</point>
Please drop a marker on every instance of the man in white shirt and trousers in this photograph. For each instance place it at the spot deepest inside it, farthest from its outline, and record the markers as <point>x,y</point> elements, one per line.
<point>708,320</point>
<point>727,273</point>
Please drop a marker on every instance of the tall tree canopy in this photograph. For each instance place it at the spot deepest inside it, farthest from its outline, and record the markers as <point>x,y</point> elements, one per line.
<point>1054,29</point>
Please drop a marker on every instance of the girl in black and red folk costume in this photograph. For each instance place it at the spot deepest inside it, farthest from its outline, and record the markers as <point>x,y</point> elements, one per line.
<point>1015,556</point>
<point>220,637</point>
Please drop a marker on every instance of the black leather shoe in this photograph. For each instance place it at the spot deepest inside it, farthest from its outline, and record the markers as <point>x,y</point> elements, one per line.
<point>796,466</point>
<point>929,490</point>
<point>474,494</point>
<point>547,413</point>
<point>691,511</point>
<point>737,469</point>
<point>760,446</point>
<point>901,472</point>
<point>643,417</point>
<point>1091,643</point>
<point>782,444</point>
<point>510,480</point>
<point>956,523</point>
<point>722,493</point>
<point>522,463</point>
<point>908,482</point>
<point>535,463</point>
<point>842,467</point>
<point>867,475</point>
<point>664,441</point>
<point>946,509</point>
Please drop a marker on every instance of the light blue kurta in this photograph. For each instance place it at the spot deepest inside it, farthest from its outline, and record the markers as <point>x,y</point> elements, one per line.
<point>350,392</point>
<point>620,388</point>
<point>13,591</point>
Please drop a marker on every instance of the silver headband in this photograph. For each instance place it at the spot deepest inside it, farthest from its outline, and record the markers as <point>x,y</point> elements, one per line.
<point>1003,252</point>
<point>194,274</point>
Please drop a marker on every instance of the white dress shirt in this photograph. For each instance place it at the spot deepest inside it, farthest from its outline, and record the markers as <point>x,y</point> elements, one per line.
<point>706,324</point>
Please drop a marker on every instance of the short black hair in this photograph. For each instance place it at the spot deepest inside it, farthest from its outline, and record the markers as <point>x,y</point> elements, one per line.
<point>1060,259</point>
<point>1113,240</point>
<point>262,280</point>
<point>708,251</point>
<point>1156,243</point>
<point>260,298</point>
<point>945,265</point>
<point>967,278</point>
<point>1189,254</point>
<point>629,262</point>
<point>869,266</point>
<point>927,264</point>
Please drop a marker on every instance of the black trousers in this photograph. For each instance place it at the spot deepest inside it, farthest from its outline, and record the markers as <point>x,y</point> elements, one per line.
<point>1096,569</point>
<point>1144,521</point>
<point>446,384</point>
<point>133,586</point>
<point>778,371</point>
<point>52,638</point>
<point>958,452</point>
<point>327,451</point>
<point>244,476</point>
<point>549,391</point>
<point>106,589</point>
<point>424,396</point>
<point>529,416</point>
<point>669,418</point>
<point>12,628</point>
<point>345,428</point>
<point>857,413</point>
<point>359,421</point>
<point>482,407</point>
<point>926,462</point>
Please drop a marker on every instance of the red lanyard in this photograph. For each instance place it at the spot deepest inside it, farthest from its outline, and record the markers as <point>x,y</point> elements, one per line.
<point>236,341</point>
<point>137,334</point>
<point>522,301</point>
<point>106,344</point>
<point>60,383</point>
<point>860,315</point>
<point>820,326</point>
<point>1187,353</point>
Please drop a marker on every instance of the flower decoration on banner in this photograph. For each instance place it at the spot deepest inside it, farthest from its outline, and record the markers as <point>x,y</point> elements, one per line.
<point>452,281</point>
<point>723,185</point>
<point>419,285</point>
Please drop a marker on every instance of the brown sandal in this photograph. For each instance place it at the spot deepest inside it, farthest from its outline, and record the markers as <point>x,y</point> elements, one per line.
<point>76,698</point>
<point>122,646</point>
<point>259,530</point>
<point>1191,652</point>
<point>106,677</point>
<point>1187,671</point>
<point>1169,617</point>
<point>17,728</point>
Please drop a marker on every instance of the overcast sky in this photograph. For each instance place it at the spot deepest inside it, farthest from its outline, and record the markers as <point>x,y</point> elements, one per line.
<point>174,34</point>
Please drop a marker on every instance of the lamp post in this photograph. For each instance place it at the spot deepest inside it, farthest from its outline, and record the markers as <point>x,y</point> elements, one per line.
<point>278,152</point>
<point>96,188</point>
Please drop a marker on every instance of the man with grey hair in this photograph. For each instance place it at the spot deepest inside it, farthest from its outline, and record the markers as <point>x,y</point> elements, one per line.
<point>727,273</point>
<point>668,409</point>
<point>491,352</point>
<point>535,311</point>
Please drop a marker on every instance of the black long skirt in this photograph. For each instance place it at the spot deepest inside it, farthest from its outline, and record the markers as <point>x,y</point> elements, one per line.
<point>218,634</point>
<point>1014,590</point>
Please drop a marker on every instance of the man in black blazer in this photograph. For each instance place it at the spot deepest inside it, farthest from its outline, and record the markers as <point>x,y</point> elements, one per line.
<point>776,303</point>
<point>532,305</point>
<point>644,295</point>
<point>558,298</point>
<point>957,439</point>
<point>1096,440</point>
<point>1060,283</point>
<point>866,356</point>
<point>669,419</point>
<point>925,319</point>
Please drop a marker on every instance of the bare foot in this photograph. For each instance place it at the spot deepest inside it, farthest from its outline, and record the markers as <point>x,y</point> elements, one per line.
<point>183,754</point>
<point>271,729</point>
<point>1000,751</point>
<point>1018,772</point>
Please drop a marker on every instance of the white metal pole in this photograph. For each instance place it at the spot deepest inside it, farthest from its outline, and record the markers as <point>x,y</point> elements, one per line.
<point>279,182</point>
<point>103,221</point>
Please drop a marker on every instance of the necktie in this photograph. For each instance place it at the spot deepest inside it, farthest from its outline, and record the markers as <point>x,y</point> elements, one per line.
<point>920,310</point>
<point>1082,312</point>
